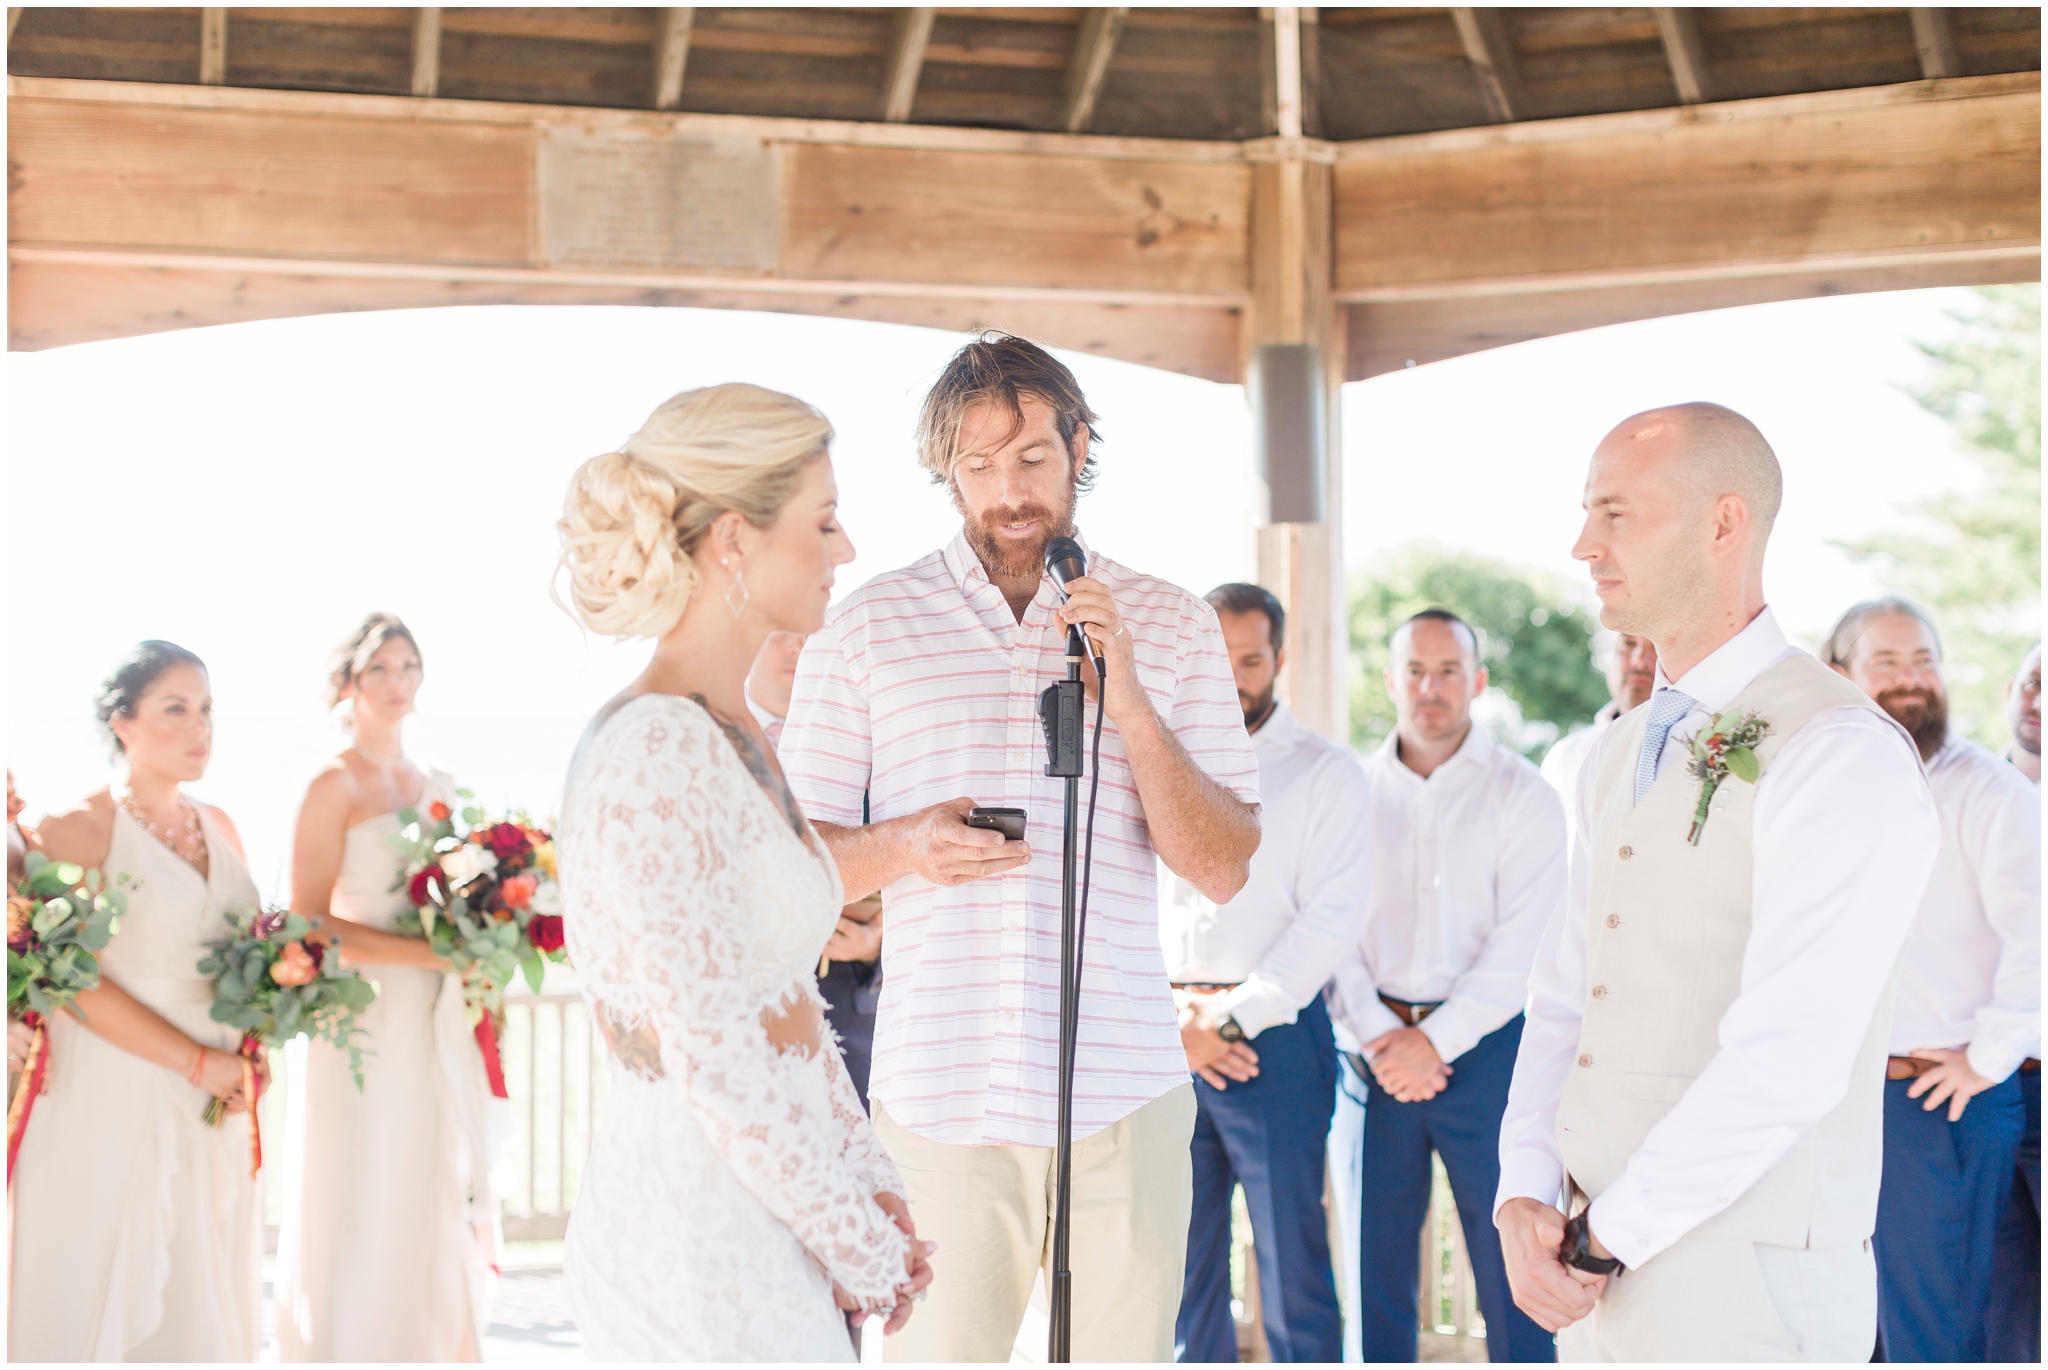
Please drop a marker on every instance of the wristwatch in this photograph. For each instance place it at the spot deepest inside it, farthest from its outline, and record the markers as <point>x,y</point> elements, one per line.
<point>1577,1251</point>
<point>1229,1029</point>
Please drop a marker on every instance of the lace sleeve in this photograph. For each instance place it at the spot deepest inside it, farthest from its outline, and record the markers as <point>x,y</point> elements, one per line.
<point>863,1149</point>
<point>657,871</point>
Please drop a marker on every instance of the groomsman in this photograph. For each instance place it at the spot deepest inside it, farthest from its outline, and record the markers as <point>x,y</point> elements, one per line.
<point>1248,976</point>
<point>850,973</point>
<point>2016,1271</point>
<point>1468,863</point>
<point>1711,1007</point>
<point>1969,1005</point>
<point>1631,674</point>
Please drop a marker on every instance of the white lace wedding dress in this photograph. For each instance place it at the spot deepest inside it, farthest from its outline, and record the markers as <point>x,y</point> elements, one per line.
<point>724,1195</point>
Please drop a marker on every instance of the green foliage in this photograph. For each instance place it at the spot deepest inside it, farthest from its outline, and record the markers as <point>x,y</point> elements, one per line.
<point>248,996</point>
<point>1535,639</point>
<point>60,917</point>
<point>1974,557</point>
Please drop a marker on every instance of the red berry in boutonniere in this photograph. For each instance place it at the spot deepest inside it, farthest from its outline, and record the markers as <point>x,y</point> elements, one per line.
<point>438,811</point>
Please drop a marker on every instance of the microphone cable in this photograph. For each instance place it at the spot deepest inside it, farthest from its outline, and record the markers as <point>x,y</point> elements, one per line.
<point>1088,847</point>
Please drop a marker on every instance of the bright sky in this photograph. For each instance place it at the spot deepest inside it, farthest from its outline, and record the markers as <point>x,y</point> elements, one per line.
<point>250,491</point>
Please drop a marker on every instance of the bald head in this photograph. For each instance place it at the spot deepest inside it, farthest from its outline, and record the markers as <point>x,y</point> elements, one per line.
<point>1715,450</point>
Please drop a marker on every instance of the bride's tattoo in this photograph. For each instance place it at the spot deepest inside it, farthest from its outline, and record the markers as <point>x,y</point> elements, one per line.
<point>638,1048</point>
<point>764,770</point>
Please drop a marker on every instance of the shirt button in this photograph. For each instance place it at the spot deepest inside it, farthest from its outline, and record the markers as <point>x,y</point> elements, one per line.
<point>1585,1060</point>
<point>1627,852</point>
<point>1009,1013</point>
<point>1613,920</point>
<point>1599,991</point>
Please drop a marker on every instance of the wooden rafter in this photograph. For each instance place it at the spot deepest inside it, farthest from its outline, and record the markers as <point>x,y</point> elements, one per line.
<point>426,51</point>
<point>13,18</point>
<point>1686,55</point>
<point>213,47</point>
<point>1935,36</point>
<point>910,35</point>
<point>1311,71</point>
<point>1094,44</point>
<point>671,55</point>
<point>1493,63</point>
<point>1287,118</point>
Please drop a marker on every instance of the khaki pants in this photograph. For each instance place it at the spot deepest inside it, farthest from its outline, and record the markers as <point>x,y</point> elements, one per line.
<point>1723,1300</point>
<point>990,1210</point>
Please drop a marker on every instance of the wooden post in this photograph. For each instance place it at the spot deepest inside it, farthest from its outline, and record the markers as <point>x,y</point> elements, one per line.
<point>908,39</point>
<point>1935,37</point>
<point>426,52</point>
<point>213,47</point>
<point>1685,54</point>
<point>671,54</point>
<point>1094,44</point>
<point>1293,320</point>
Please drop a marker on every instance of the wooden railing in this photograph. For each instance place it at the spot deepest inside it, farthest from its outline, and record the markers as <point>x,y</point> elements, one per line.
<point>555,1074</point>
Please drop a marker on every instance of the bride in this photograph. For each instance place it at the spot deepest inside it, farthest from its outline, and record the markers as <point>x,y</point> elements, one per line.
<point>734,1193</point>
<point>388,1224</point>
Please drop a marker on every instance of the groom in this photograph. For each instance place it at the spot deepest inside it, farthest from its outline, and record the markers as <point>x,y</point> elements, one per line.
<point>1700,1085</point>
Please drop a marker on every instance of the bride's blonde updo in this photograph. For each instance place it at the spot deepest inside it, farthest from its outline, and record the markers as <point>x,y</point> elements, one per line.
<point>632,518</point>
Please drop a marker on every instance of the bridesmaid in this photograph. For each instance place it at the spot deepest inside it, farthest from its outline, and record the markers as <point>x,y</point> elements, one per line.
<point>387,1222</point>
<point>138,1232</point>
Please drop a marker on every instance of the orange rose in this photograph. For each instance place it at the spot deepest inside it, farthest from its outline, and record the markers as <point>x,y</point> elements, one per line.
<point>438,811</point>
<point>517,892</point>
<point>294,967</point>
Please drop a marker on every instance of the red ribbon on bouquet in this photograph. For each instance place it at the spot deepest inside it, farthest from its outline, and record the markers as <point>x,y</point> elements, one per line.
<point>33,1072</point>
<point>494,1068</point>
<point>252,1091</point>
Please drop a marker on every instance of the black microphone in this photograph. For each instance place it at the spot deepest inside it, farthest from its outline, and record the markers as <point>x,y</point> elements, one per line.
<point>1065,561</point>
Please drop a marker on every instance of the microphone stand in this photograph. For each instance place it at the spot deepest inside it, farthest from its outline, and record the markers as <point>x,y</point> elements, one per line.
<point>1060,711</point>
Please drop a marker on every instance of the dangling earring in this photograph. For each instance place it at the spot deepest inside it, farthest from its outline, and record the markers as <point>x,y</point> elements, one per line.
<point>739,583</point>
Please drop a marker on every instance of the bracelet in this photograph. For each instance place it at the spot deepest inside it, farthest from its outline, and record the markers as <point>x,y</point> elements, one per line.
<point>197,1066</point>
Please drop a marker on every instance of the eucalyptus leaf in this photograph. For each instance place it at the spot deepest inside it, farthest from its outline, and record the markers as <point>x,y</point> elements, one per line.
<point>1743,765</point>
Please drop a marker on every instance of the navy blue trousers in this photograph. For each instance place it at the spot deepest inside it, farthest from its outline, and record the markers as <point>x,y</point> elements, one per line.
<point>1462,1125</point>
<point>2015,1331</point>
<point>853,994</point>
<point>1268,1135</point>
<point>1945,1185</point>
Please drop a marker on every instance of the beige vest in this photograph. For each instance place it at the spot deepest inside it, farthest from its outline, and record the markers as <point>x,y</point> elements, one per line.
<point>1667,927</point>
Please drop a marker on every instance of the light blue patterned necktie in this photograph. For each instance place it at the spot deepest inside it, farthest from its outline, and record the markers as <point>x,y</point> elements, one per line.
<point>1666,709</point>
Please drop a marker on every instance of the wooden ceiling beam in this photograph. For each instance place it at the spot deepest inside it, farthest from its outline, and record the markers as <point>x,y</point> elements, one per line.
<point>1094,44</point>
<point>13,18</point>
<point>1493,63</point>
<point>1935,36</point>
<point>909,36</point>
<point>213,47</point>
<point>426,51</point>
<point>671,55</point>
<point>1685,54</point>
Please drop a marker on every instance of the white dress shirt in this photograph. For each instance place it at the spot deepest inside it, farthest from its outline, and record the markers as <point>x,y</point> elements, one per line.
<point>770,721</point>
<point>1972,970</point>
<point>1303,906</point>
<point>1467,867</point>
<point>1845,834</point>
<point>1567,759</point>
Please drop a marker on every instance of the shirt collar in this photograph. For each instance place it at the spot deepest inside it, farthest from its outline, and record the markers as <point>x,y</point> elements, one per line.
<point>1728,669</point>
<point>966,568</point>
<point>1472,750</point>
<point>1278,732</point>
<point>761,712</point>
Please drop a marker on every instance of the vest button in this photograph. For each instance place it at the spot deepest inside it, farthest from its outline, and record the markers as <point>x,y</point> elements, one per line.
<point>1613,920</point>
<point>1599,991</point>
<point>1627,852</point>
<point>1585,1060</point>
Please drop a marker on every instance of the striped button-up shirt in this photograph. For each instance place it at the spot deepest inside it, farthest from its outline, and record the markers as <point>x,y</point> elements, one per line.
<point>923,687</point>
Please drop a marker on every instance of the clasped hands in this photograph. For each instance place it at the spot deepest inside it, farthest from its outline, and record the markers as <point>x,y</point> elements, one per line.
<point>1531,1243</point>
<point>1218,1062</point>
<point>917,1270</point>
<point>1405,1063</point>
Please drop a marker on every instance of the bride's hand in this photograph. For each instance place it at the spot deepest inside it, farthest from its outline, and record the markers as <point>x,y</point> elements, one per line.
<point>916,1262</point>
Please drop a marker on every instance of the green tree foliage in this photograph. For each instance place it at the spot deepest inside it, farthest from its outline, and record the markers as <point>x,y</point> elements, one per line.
<point>1974,556</point>
<point>1535,640</point>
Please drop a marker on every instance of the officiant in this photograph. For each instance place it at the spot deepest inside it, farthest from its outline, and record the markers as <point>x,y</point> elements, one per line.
<point>1690,1158</point>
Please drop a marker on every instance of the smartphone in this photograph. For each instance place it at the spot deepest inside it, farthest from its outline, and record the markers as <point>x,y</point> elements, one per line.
<point>1008,822</point>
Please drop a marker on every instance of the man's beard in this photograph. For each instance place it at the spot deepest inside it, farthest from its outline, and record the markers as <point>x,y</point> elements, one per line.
<point>1923,713</point>
<point>1006,558</point>
<point>1256,709</point>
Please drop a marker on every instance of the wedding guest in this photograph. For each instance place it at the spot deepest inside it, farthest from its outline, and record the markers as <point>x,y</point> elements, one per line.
<point>735,1192</point>
<point>1631,666</point>
<point>407,1228</point>
<point>2023,715</point>
<point>2016,1269</point>
<point>1467,865</point>
<point>1969,1009</point>
<point>850,972</point>
<point>138,1231</point>
<point>1248,977</point>
<point>1710,1007</point>
<point>921,690</point>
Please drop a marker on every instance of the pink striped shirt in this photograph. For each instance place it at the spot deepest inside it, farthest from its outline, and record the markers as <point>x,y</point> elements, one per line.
<point>921,687</point>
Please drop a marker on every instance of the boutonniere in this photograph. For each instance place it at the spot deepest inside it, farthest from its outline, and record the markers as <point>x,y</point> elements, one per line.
<point>1725,747</point>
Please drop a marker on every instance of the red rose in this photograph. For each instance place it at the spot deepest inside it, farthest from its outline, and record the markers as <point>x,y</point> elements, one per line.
<point>318,951</point>
<point>507,841</point>
<point>545,932</point>
<point>421,890</point>
<point>438,811</point>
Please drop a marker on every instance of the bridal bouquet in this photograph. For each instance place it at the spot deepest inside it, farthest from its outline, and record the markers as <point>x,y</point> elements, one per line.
<point>59,918</point>
<point>273,984</point>
<point>484,897</point>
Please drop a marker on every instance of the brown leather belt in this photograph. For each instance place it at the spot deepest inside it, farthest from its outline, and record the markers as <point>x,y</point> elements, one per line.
<point>2031,1063</point>
<point>1411,1014</point>
<point>1906,1067</point>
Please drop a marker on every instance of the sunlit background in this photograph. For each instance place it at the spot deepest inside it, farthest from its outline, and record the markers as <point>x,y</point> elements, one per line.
<point>250,491</point>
